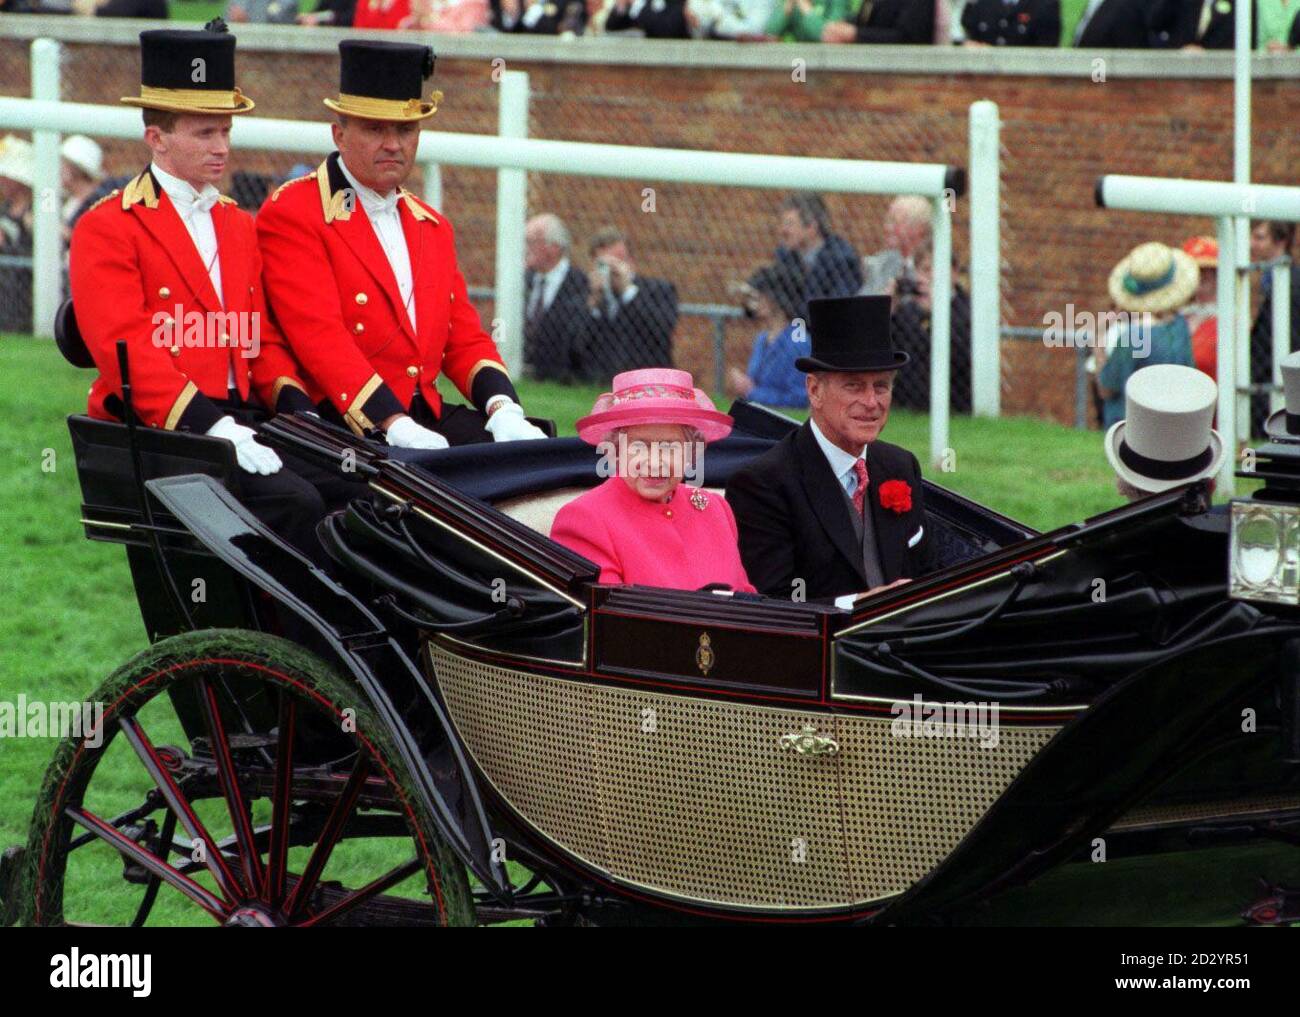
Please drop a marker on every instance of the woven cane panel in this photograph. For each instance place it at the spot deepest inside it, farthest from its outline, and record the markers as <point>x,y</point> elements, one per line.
<point>909,801</point>
<point>696,798</point>
<point>1156,815</point>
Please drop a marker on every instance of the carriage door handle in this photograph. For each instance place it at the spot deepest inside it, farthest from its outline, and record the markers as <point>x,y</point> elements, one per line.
<point>809,743</point>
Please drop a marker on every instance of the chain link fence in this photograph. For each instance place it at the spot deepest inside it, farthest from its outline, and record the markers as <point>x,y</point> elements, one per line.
<point>693,245</point>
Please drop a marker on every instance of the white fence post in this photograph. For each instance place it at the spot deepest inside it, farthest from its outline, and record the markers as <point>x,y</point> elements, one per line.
<point>512,209</point>
<point>433,185</point>
<point>940,322</point>
<point>1281,330</point>
<point>1226,359</point>
<point>985,259</point>
<point>47,196</point>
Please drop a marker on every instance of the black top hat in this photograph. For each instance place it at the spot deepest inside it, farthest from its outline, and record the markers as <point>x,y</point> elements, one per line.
<point>384,81</point>
<point>189,72</point>
<point>850,334</point>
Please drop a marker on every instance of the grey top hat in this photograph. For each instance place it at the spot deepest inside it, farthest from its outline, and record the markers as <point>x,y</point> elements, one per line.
<point>1284,425</point>
<point>1165,439</point>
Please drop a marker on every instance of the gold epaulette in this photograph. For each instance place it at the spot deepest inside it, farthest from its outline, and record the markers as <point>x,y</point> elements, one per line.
<point>295,180</point>
<point>417,208</point>
<point>107,197</point>
<point>226,199</point>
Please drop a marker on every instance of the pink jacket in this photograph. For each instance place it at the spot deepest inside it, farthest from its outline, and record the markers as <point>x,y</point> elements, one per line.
<point>681,544</point>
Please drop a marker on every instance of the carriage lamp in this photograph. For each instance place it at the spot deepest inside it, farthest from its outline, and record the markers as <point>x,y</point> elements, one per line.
<point>1264,553</point>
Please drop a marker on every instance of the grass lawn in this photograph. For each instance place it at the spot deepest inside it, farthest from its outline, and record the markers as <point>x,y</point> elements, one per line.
<point>71,616</point>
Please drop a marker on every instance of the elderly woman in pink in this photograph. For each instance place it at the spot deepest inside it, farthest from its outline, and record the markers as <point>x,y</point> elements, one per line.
<point>643,525</point>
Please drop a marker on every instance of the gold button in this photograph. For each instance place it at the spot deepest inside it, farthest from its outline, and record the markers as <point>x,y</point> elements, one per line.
<point>453,296</point>
<point>361,298</point>
<point>250,375</point>
<point>358,328</point>
<point>164,292</point>
<point>176,351</point>
<point>668,513</point>
<point>343,397</point>
<point>169,321</point>
<point>412,371</point>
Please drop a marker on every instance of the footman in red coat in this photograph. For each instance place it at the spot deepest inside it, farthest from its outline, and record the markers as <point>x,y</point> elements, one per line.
<point>362,275</point>
<point>172,266</point>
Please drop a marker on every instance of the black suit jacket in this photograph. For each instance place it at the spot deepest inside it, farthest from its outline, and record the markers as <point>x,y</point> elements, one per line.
<point>552,341</point>
<point>1118,24</point>
<point>1027,23</point>
<point>565,16</point>
<point>658,21</point>
<point>835,272</point>
<point>1174,23</point>
<point>639,335</point>
<point>897,21</point>
<point>794,522</point>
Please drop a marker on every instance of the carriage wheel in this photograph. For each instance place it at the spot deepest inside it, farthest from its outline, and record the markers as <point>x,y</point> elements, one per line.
<point>289,806</point>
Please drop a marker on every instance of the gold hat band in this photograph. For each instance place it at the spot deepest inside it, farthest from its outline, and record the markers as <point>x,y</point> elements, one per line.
<point>385,109</point>
<point>199,98</point>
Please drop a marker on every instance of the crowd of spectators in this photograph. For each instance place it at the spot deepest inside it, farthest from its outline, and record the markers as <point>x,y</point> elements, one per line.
<point>1171,296</point>
<point>1110,24</point>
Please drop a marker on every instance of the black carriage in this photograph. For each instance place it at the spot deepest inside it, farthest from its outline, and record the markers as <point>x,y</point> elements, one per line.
<point>525,743</point>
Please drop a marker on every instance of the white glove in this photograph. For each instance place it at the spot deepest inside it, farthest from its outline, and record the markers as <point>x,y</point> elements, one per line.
<point>406,433</point>
<point>507,423</point>
<point>252,457</point>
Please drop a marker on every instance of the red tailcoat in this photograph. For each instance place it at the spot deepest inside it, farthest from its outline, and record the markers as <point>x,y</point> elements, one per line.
<point>132,265</point>
<point>336,301</point>
<point>373,13</point>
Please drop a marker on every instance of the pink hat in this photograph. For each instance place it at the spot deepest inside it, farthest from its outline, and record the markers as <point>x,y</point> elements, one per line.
<point>653,395</point>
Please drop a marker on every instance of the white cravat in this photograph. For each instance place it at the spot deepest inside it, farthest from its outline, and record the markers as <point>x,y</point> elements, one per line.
<point>387,223</point>
<point>195,209</point>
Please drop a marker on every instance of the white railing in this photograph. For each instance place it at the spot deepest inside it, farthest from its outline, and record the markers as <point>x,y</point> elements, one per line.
<point>1233,205</point>
<point>513,155</point>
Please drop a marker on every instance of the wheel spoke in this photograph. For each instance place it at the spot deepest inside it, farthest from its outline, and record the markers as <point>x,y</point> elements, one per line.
<point>155,881</point>
<point>171,792</point>
<point>371,889</point>
<point>329,836</point>
<point>207,901</point>
<point>281,801</point>
<point>250,860</point>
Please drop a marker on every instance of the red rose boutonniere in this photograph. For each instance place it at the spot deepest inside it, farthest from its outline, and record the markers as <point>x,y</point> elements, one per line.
<point>1023,18</point>
<point>896,495</point>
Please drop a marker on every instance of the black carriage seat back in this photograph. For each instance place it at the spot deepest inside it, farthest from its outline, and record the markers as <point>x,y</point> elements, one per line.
<point>68,338</point>
<point>107,475</point>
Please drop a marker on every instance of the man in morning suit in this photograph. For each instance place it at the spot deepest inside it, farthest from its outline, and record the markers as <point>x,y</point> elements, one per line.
<point>362,275</point>
<point>171,265</point>
<point>831,504</point>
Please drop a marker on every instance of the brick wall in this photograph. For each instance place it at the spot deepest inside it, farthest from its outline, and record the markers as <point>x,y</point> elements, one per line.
<point>1059,134</point>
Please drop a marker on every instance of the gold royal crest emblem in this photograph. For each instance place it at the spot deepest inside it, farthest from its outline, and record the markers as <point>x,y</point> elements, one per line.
<point>704,654</point>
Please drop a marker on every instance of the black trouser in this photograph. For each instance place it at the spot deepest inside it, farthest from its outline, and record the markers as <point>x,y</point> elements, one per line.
<point>294,499</point>
<point>459,424</point>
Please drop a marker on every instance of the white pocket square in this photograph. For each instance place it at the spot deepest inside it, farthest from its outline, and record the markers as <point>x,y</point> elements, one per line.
<point>915,538</point>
